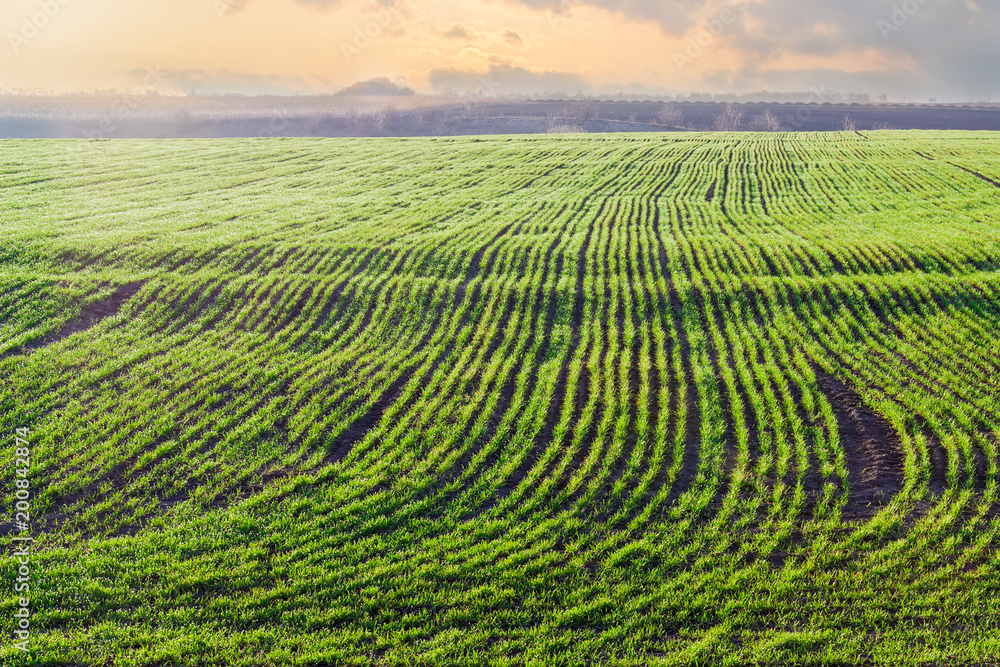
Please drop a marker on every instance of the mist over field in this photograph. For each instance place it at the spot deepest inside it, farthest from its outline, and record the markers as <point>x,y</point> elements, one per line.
<point>128,115</point>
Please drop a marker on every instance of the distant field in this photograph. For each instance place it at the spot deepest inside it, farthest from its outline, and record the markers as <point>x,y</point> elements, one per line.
<point>628,399</point>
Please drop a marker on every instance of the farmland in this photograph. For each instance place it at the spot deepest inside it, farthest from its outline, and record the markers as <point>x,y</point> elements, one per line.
<point>619,399</point>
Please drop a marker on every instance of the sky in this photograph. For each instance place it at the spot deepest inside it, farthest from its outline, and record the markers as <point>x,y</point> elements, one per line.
<point>918,50</point>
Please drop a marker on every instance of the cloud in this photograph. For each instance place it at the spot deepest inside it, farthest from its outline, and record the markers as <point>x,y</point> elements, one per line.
<point>511,37</point>
<point>204,82</point>
<point>927,44</point>
<point>944,49</point>
<point>505,79</point>
<point>462,32</point>
<point>673,16</point>
<point>939,45</point>
<point>459,31</point>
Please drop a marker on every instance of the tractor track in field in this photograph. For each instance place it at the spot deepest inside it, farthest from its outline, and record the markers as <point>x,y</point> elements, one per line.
<point>90,316</point>
<point>873,450</point>
<point>981,177</point>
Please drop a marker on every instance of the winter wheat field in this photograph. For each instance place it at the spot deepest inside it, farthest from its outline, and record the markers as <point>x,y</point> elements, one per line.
<point>561,400</point>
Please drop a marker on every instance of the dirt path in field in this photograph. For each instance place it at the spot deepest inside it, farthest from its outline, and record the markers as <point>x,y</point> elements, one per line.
<point>874,450</point>
<point>90,316</point>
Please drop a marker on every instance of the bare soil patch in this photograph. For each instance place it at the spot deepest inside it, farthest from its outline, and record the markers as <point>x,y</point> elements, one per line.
<point>874,450</point>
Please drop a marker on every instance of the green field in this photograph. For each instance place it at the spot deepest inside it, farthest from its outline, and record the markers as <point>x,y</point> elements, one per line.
<point>643,399</point>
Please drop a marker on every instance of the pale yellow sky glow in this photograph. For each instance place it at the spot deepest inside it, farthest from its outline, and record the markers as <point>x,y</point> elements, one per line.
<point>306,46</point>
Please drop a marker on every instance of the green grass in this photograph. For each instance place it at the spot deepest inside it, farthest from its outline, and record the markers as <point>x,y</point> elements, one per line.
<point>658,399</point>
